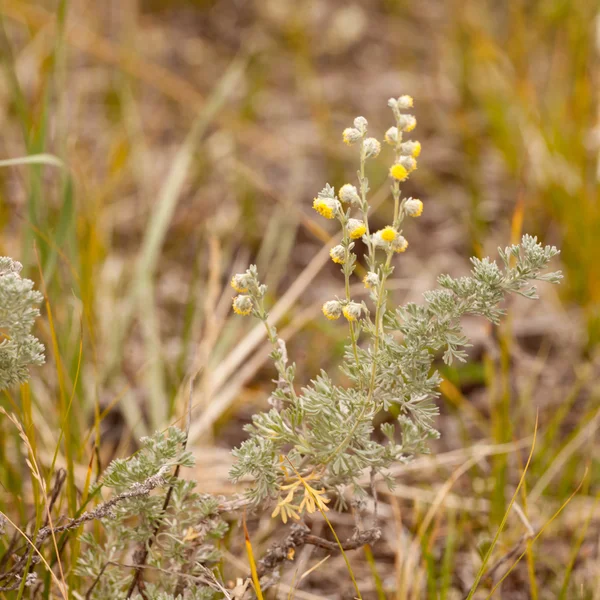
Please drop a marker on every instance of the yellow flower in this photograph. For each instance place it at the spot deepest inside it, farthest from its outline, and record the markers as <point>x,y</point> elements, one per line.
<point>242,305</point>
<point>416,149</point>
<point>388,234</point>
<point>371,280</point>
<point>398,172</point>
<point>413,207</point>
<point>400,244</point>
<point>326,207</point>
<point>286,508</point>
<point>238,283</point>
<point>352,311</point>
<point>332,310</point>
<point>338,254</point>
<point>356,228</point>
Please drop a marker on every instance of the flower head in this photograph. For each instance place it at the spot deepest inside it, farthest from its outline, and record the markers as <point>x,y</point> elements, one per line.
<point>391,136</point>
<point>352,311</point>
<point>372,147</point>
<point>239,283</point>
<point>349,194</point>
<point>400,244</point>
<point>398,172</point>
<point>413,207</point>
<point>338,254</point>
<point>371,280</point>
<point>242,305</point>
<point>411,149</point>
<point>326,207</point>
<point>361,124</point>
<point>408,162</point>
<point>351,135</point>
<point>332,310</point>
<point>388,234</point>
<point>356,228</point>
<point>405,102</point>
<point>407,122</point>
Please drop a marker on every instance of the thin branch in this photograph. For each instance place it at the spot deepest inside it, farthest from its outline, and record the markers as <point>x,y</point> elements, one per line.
<point>300,535</point>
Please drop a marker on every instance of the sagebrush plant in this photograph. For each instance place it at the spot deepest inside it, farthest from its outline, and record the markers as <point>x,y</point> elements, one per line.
<point>159,535</point>
<point>177,558</point>
<point>326,433</point>
<point>19,307</point>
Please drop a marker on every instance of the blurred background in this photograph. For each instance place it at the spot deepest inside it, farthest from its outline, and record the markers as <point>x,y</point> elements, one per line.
<point>185,139</point>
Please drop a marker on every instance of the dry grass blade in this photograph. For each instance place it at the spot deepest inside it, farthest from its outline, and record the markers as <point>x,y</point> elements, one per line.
<point>34,159</point>
<point>36,474</point>
<point>156,233</point>
<point>504,519</point>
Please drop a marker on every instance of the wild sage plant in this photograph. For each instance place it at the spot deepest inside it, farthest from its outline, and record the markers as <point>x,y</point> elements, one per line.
<point>159,533</point>
<point>19,304</point>
<point>316,441</point>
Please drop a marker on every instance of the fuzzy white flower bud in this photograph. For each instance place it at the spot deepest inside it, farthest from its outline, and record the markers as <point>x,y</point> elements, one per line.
<point>349,194</point>
<point>413,207</point>
<point>410,149</point>
<point>391,136</point>
<point>351,135</point>
<point>243,305</point>
<point>371,280</point>
<point>407,122</point>
<point>408,162</point>
<point>405,102</point>
<point>361,124</point>
<point>338,254</point>
<point>332,310</point>
<point>372,147</point>
<point>400,244</point>
<point>352,311</point>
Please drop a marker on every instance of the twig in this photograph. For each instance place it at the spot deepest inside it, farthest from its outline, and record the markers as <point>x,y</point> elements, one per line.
<point>300,535</point>
<point>101,511</point>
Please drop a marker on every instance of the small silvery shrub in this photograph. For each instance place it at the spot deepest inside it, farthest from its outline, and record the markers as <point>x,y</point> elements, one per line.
<point>170,526</point>
<point>19,303</point>
<point>326,433</point>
